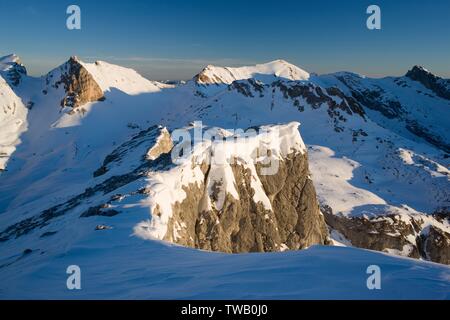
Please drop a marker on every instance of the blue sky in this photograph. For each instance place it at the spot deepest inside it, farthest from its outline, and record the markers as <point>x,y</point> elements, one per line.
<point>175,39</point>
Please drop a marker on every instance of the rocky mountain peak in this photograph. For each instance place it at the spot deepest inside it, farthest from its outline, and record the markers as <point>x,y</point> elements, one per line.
<point>12,68</point>
<point>418,71</point>
<point>74,59</point>
<point>79,84</point>
<point>439,86</point>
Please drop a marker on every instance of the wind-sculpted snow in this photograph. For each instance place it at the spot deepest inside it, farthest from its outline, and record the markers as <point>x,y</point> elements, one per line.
<point>117,266</point>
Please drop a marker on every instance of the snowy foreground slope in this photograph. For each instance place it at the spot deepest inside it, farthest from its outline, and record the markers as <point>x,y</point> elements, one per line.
<point>117,266</point>
<point>90,182</point>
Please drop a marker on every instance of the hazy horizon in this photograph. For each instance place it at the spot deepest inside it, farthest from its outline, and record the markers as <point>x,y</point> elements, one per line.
<point>41,70</point>
<point>174,41</point>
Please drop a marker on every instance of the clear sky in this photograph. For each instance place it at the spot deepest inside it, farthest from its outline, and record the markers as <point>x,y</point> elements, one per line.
<point>174,39</point>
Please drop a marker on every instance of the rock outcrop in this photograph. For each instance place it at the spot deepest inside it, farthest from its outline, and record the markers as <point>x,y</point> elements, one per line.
<point>393,103</point>
<point>415,236</point>
<point>439,86</point>
<point>235,207</point>
<point>79,85</point>
<point>12,69</point>
<point>434,245</point>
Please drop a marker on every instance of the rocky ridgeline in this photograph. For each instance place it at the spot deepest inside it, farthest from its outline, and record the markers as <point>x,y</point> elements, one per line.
<point>441,87</point>
<point>375,97</point>
<point>415,236</point>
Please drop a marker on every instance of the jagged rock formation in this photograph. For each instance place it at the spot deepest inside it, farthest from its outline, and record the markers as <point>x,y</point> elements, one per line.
<point>371,97</point>
<point>439,86</point>
<point>434,245</point>
<point>233,207</point>
<point>155,141</point>
<point>12,69</point>
<point>414,236</point>
<point>79,85</point>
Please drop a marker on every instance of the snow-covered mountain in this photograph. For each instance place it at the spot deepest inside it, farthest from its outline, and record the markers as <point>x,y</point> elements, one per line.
<point>92,164</point>
<point>264,72</point>
<point>13,122</point>
<point>12,69</point>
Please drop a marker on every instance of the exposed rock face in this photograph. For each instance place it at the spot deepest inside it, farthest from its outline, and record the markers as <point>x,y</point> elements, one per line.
<point>304,95</point>
<point>439,86</point>
<point>246,226</point>
<point>235,208</point>
<point>245,87</point>
<point>420,131</point>
<point>377,97</point>
<point>412,236</point>
<point>79,85</point>
<point>13,69</point>
<point>154,141</point>
<point>203,78</point>
<point>163,145</point>
<point>435,245</point>
<point>372,98</point>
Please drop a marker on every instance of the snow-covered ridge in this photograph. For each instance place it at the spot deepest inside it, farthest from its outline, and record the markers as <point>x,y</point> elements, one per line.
<point>275,69</point>
<point>110,76</point>
<point>13,121</point>
<point>271,144</point>
<point>7,61</point>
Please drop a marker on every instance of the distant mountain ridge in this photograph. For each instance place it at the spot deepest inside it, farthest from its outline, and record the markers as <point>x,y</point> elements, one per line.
<point>275,69</point>
<point>89,163</point>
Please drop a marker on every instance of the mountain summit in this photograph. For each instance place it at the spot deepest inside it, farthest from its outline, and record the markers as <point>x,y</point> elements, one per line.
<point>263,72</point>
<point>439,86</point>
<point>12,68</point>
